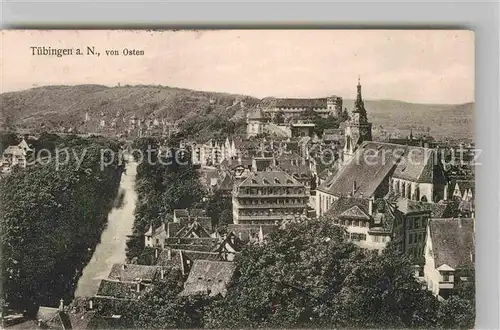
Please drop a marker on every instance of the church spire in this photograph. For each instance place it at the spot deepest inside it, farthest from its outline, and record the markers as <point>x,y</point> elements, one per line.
<point>359,105</point>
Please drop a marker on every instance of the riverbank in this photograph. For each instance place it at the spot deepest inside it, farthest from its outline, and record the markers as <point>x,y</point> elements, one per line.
<point>111,248</point>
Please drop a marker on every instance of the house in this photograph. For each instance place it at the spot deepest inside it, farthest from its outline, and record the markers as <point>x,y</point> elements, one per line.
<point>368,223</point>
<point>410,233</point>
<point>251,232</point>
<point>53,318</point>
<point>209,278</point>
<point>120,290</point>
<point>186,223</point>
<point>464,190</point>
<point>332,136</point>
<point>449,254</point>
<point>267,197</point>
<point>131,272</point>
<point>15,155</point>
<point>212,152</point>
<point>256,122</point>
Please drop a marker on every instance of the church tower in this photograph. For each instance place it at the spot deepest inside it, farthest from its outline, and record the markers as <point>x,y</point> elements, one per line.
<point>358,129</point>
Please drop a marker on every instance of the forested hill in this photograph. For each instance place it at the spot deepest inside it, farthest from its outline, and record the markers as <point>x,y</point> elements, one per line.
<point>55,107</point>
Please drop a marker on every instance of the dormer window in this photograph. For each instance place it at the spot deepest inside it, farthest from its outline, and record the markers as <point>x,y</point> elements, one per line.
<point>276,181</point>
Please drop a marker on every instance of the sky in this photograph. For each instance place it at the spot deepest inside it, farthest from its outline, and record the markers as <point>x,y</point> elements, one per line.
<point>422,66</point>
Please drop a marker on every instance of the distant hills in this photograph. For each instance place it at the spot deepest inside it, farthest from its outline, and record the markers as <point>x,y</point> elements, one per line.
<point>55,107</point>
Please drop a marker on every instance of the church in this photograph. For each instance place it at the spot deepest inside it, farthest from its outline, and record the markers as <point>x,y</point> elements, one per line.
<point>372,169</point>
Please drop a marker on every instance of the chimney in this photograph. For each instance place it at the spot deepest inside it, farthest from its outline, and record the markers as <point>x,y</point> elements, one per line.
<point>61,305</point>
<point>91,304</point>
<point>169,254</point>
<point>354,187</point>
<point>138,288</point>
<point>124,266</point>
<point>156,253</point>
<point>162,273</point>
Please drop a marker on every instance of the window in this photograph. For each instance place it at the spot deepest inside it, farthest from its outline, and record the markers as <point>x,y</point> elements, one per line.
<point>410,238</point>
<point>358,237</point>
<point>446,277</point>
<point>417,223</point>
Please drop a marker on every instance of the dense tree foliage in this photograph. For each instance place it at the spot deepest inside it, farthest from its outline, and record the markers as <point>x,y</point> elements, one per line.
<point>51,218</point>
<point>309,276</point>
<point>219,209</point>
<point>166,180</point>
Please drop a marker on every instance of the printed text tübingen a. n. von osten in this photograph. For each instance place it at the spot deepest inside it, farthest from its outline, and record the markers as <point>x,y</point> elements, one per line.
<point>85,51</point>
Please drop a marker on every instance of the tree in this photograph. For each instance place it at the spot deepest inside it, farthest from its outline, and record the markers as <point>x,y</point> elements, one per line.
<point>51,217</point>
<point>219,209</point>
<point>308,275</point>
<point>459,311</point>
<point>280,117</point>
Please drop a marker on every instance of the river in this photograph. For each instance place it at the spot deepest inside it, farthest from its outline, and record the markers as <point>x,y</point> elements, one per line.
<point>111,248</point>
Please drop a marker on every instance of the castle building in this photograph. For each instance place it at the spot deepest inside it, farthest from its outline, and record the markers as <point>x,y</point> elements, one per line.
<point>358,129</point>
<point>293,108</point>
<point>268,197</point>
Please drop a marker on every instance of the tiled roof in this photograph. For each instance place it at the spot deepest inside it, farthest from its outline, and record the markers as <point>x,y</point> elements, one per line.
<point>164,261</point>
<point>14,151</point>
<point>343,204</point>
<point>267,178</point>
<point>416,165</point>
<point>131,272</point>
<point>358,209</point>
<point>119,289</point>
<point>200,255</point>
<point>371,164</point>
<point>46,314</point>
<point>208,278</point>
<point>443,209</point>
<point>452,242</point>
<point>248,231</point>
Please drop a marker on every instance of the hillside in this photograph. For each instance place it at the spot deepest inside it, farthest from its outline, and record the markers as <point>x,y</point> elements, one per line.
<point>58,107</point>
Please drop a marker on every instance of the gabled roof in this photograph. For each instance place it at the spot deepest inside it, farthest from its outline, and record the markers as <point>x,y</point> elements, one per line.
<point>118,289</point>
<point>370,165</point>
<point>267,178</point>
<point>131,272</point>
<point>358,207</point>
<point>248,231</point>
<point>416,165</point>
<point>465,185</point>
<point>354,213</point>
<point>443,209</point>
<point>208,278</point>
<point>452,242</point>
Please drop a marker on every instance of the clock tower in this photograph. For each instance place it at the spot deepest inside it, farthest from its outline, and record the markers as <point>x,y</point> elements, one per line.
<point>358,129</point>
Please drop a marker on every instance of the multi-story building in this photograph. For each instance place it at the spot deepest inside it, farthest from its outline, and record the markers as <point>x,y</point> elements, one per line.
<point>213,152</point>
<point>294,108</point>
<point>268,197</point>
<point>256,122</point>
<point>449,254</point>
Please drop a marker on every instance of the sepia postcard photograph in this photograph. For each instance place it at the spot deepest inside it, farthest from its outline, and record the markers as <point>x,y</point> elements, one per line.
<point>236,179</point>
